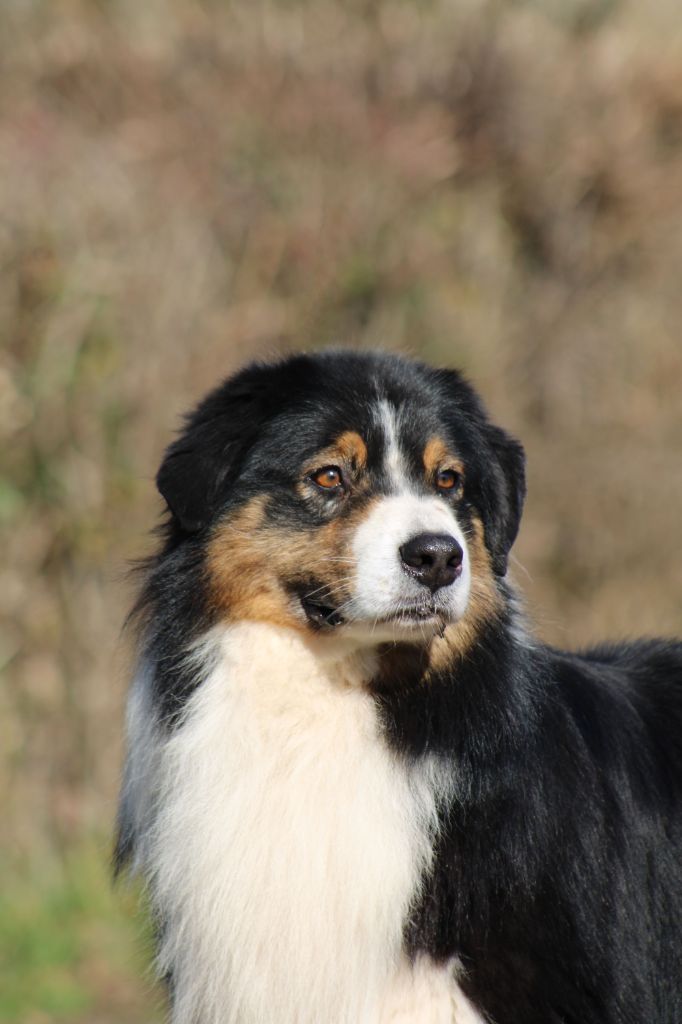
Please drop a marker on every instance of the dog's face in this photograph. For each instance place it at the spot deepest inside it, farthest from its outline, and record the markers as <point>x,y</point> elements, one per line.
<point>348,495</point>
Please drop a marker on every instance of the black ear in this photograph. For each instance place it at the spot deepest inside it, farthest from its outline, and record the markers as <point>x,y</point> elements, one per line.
<point>504,490</point>
<point>499,481</point>
<point>190,480</point>
<point>197,469</point>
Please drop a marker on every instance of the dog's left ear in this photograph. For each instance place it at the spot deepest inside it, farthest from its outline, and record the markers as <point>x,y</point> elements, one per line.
<point>503,492</point>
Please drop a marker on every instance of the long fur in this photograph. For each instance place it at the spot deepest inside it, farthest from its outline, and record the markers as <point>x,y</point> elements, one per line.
<point>450,823</point>
<point>241,790</point>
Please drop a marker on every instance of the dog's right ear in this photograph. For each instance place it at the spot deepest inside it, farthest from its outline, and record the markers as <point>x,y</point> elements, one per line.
<point>196,471</point>
<point>189,481</point>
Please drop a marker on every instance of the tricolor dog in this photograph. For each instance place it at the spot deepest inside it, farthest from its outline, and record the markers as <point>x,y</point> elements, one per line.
<point>357,788</point>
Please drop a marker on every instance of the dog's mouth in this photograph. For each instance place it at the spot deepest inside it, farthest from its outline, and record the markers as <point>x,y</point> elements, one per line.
<point>420,620</point>
<point>326,616</point>
<point>413,613</point>
<point>321,615</point>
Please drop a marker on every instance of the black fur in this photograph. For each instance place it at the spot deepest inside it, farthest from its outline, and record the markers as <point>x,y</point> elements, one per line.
<point>558,874</point>
<point>261,424</point>
<point>558,877</point>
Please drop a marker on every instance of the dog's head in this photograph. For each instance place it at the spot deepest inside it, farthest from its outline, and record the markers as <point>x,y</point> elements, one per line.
<point>349,494</point>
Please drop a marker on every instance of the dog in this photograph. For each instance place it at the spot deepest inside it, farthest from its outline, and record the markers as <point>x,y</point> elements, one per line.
<point>357,788</point>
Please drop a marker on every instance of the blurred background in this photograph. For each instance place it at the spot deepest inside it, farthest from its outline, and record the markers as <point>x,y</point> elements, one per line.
<point>187,185</point>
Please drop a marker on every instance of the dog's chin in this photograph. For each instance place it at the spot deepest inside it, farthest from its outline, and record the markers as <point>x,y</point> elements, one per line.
<point>408,621</point>
<point>409,625</point>
<point>414,625</point>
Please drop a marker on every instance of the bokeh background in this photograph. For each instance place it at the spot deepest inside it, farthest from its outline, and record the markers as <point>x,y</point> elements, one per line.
<point>186,185</point>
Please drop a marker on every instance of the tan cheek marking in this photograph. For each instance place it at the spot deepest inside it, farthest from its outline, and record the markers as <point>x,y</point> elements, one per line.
<point>242,584</point>
<point>484,604</point>
<point>325,552</point>
<point>248,560</point>
<point>329,551</point>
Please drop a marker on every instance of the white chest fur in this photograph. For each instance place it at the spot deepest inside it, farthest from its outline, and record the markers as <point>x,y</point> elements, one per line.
<point>288,844</point>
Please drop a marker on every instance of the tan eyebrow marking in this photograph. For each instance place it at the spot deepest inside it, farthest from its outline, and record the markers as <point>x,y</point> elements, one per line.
<point>353,448</point>
<point>348,447</point>
<point>437,456</point>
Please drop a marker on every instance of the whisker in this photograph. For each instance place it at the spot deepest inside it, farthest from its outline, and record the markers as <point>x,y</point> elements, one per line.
<point>521,566</point>
<point>328,587</point>
<point>345,610</point>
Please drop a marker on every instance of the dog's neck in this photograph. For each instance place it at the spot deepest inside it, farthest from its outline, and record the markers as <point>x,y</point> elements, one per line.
<point>292,840</point>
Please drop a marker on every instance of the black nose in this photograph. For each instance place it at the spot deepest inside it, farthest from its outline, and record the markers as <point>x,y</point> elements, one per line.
<point>434,559</point>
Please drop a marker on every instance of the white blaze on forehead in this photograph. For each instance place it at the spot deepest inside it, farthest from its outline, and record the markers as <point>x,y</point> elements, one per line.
<point>382,586</point>
<point>388,419</point>
<point>381,583</point>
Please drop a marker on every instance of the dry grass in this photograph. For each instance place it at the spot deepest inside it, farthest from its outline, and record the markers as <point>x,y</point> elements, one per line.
<point>186,185</point>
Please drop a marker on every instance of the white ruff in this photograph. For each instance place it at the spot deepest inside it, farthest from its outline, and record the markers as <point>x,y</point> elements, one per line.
<point>287,842</point>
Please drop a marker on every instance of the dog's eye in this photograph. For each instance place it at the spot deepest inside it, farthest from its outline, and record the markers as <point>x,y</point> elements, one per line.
<point>329,477</point>
<point>449,480</point>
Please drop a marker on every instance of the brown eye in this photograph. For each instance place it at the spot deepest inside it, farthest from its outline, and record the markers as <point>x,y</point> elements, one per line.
<point>448,480</point>
<point>329,477</point>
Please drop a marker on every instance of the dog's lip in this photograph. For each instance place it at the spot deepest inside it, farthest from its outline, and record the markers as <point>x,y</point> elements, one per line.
<point>323,615</point>
<point>320,614</point>
<point>414,613</point>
